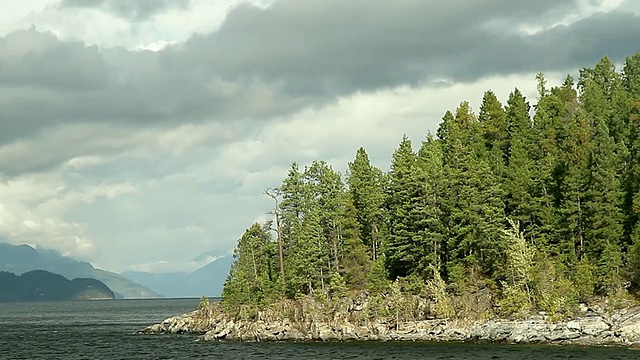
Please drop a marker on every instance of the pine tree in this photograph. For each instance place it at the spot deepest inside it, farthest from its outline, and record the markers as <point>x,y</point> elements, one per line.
<point>603,97</point>
<point>519,171</point>
<point>367,192</point>
<point>518,120</point>
<point>632,198</point>
<point>474,210</point>
<point>631,75</point>
<point>355,261</point>
<point>327,195</point>
<point>494,123</point>
<point>294,207</point>
<point>574,179</point>
<point>431,231</point>
<point>603,210</point>
<point>403,249</point>
<point>251,278</point>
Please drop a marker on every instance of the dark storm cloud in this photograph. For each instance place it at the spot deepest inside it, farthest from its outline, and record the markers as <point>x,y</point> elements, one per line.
<point>335,47</point>
<point>271,62</point>
<point>30,58</point>
<point>129,9</point>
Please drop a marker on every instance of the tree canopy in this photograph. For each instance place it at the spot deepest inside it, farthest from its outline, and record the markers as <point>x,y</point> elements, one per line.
<point>539,202</point>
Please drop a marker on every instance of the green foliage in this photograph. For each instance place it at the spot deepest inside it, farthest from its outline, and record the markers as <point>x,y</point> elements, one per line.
<point>367,194</point>
<point>515,301</point>
<point>555,293</point>
<point>442,304</point>
<point>337,286</point>
<point>584,279</point>
<point>250,280</point>
<point>378,281</point>
<point>565,184</point>
<point>203,303</point>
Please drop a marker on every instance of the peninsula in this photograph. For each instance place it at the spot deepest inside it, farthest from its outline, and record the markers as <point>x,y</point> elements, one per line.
<point>530,215</point>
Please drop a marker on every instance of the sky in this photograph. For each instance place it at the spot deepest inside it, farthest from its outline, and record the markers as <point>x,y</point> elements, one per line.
<point>141,134</point>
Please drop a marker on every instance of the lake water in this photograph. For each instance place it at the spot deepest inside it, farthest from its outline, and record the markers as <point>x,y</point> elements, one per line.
<point>106,330</point>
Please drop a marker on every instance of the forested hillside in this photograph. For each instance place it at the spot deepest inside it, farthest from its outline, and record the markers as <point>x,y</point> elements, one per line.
<point>41,285</point>
<point>537,206</point>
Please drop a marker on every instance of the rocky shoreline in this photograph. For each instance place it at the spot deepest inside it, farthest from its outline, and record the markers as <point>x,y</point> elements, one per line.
<point>594,327</point>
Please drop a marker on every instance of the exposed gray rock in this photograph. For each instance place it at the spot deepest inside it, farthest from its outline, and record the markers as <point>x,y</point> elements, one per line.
<point>591,328</point>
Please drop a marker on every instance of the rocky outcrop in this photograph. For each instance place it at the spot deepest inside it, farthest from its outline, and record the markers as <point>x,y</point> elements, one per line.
<point>620,327</point>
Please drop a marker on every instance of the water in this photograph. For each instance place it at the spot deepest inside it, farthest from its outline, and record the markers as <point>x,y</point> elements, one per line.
<point>106,330</point>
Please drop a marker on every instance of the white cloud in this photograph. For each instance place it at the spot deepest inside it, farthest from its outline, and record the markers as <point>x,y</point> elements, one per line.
<point>34,210</point>
<point>94,26</point>
<point>130,192</point>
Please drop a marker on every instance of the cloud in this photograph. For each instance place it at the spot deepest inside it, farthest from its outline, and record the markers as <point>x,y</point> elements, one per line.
<point>144,132</point>
<point>34,210</point>
<point>137,10</point>
<point>333,48</point>
<point>267,62</point>
<point>39,60</point>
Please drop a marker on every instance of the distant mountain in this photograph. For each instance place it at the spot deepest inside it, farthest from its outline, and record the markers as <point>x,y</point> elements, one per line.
<point>40,285</point>
<point>208,280</point>
<point>19,259</point>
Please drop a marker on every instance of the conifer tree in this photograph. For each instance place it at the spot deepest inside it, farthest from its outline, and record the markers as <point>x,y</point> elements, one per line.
<point>631,76</point>
<point>574,178</point>
<point>367,192</point>
<point>430,216</point>
<point>474,210</point>
<point>603,209</point>
<point>519,172</point>
<point>404,249</point>
<point>251,278</point>
<point>494,123</point>
<point>355,263</point>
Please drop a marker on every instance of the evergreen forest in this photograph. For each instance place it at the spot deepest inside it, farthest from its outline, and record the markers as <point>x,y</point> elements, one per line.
<point>533,207</point>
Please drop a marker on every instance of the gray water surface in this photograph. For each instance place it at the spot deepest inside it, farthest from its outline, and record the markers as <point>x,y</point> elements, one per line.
<point>107,330</point>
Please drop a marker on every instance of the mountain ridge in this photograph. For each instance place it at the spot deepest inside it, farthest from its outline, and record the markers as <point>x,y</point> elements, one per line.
<point>207,280</point>
<point>42,285</point>
<point>20,259</point>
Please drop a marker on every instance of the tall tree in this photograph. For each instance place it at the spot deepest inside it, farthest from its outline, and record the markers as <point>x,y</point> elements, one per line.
<point>519,172</point>
<point>367,192</point>
<point>474,210</point>
<point>493,120</point>
<point>403,249</point>
<point>603,210</point>
<point>631,75</point>
<point>250,280</point>
<point>431,231</point>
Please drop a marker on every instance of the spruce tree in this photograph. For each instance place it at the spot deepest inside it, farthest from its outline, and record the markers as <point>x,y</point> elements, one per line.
<point>473,206</point>
<point>366,185</point>
<point>251,278</point>
<point>603,210</point>
<point>494,123</point>
<point>431,231</point>
<point>631,75</point>
<point>519,172</point>
<point>403,249</point>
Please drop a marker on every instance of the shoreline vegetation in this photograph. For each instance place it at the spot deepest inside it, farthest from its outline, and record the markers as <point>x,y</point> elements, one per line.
<point>365,318</point>
<point>520,213</point>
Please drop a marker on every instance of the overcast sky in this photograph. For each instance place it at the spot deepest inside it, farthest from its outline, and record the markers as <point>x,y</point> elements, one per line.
<point>140,134</point>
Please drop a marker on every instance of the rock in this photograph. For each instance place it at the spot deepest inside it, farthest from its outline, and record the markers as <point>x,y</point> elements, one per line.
<point>533,331</point>
<point>312,321</point>
<point>583,307</point>
<point>574,325</point>
<point>563,335</point>
<point>592,326</point>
